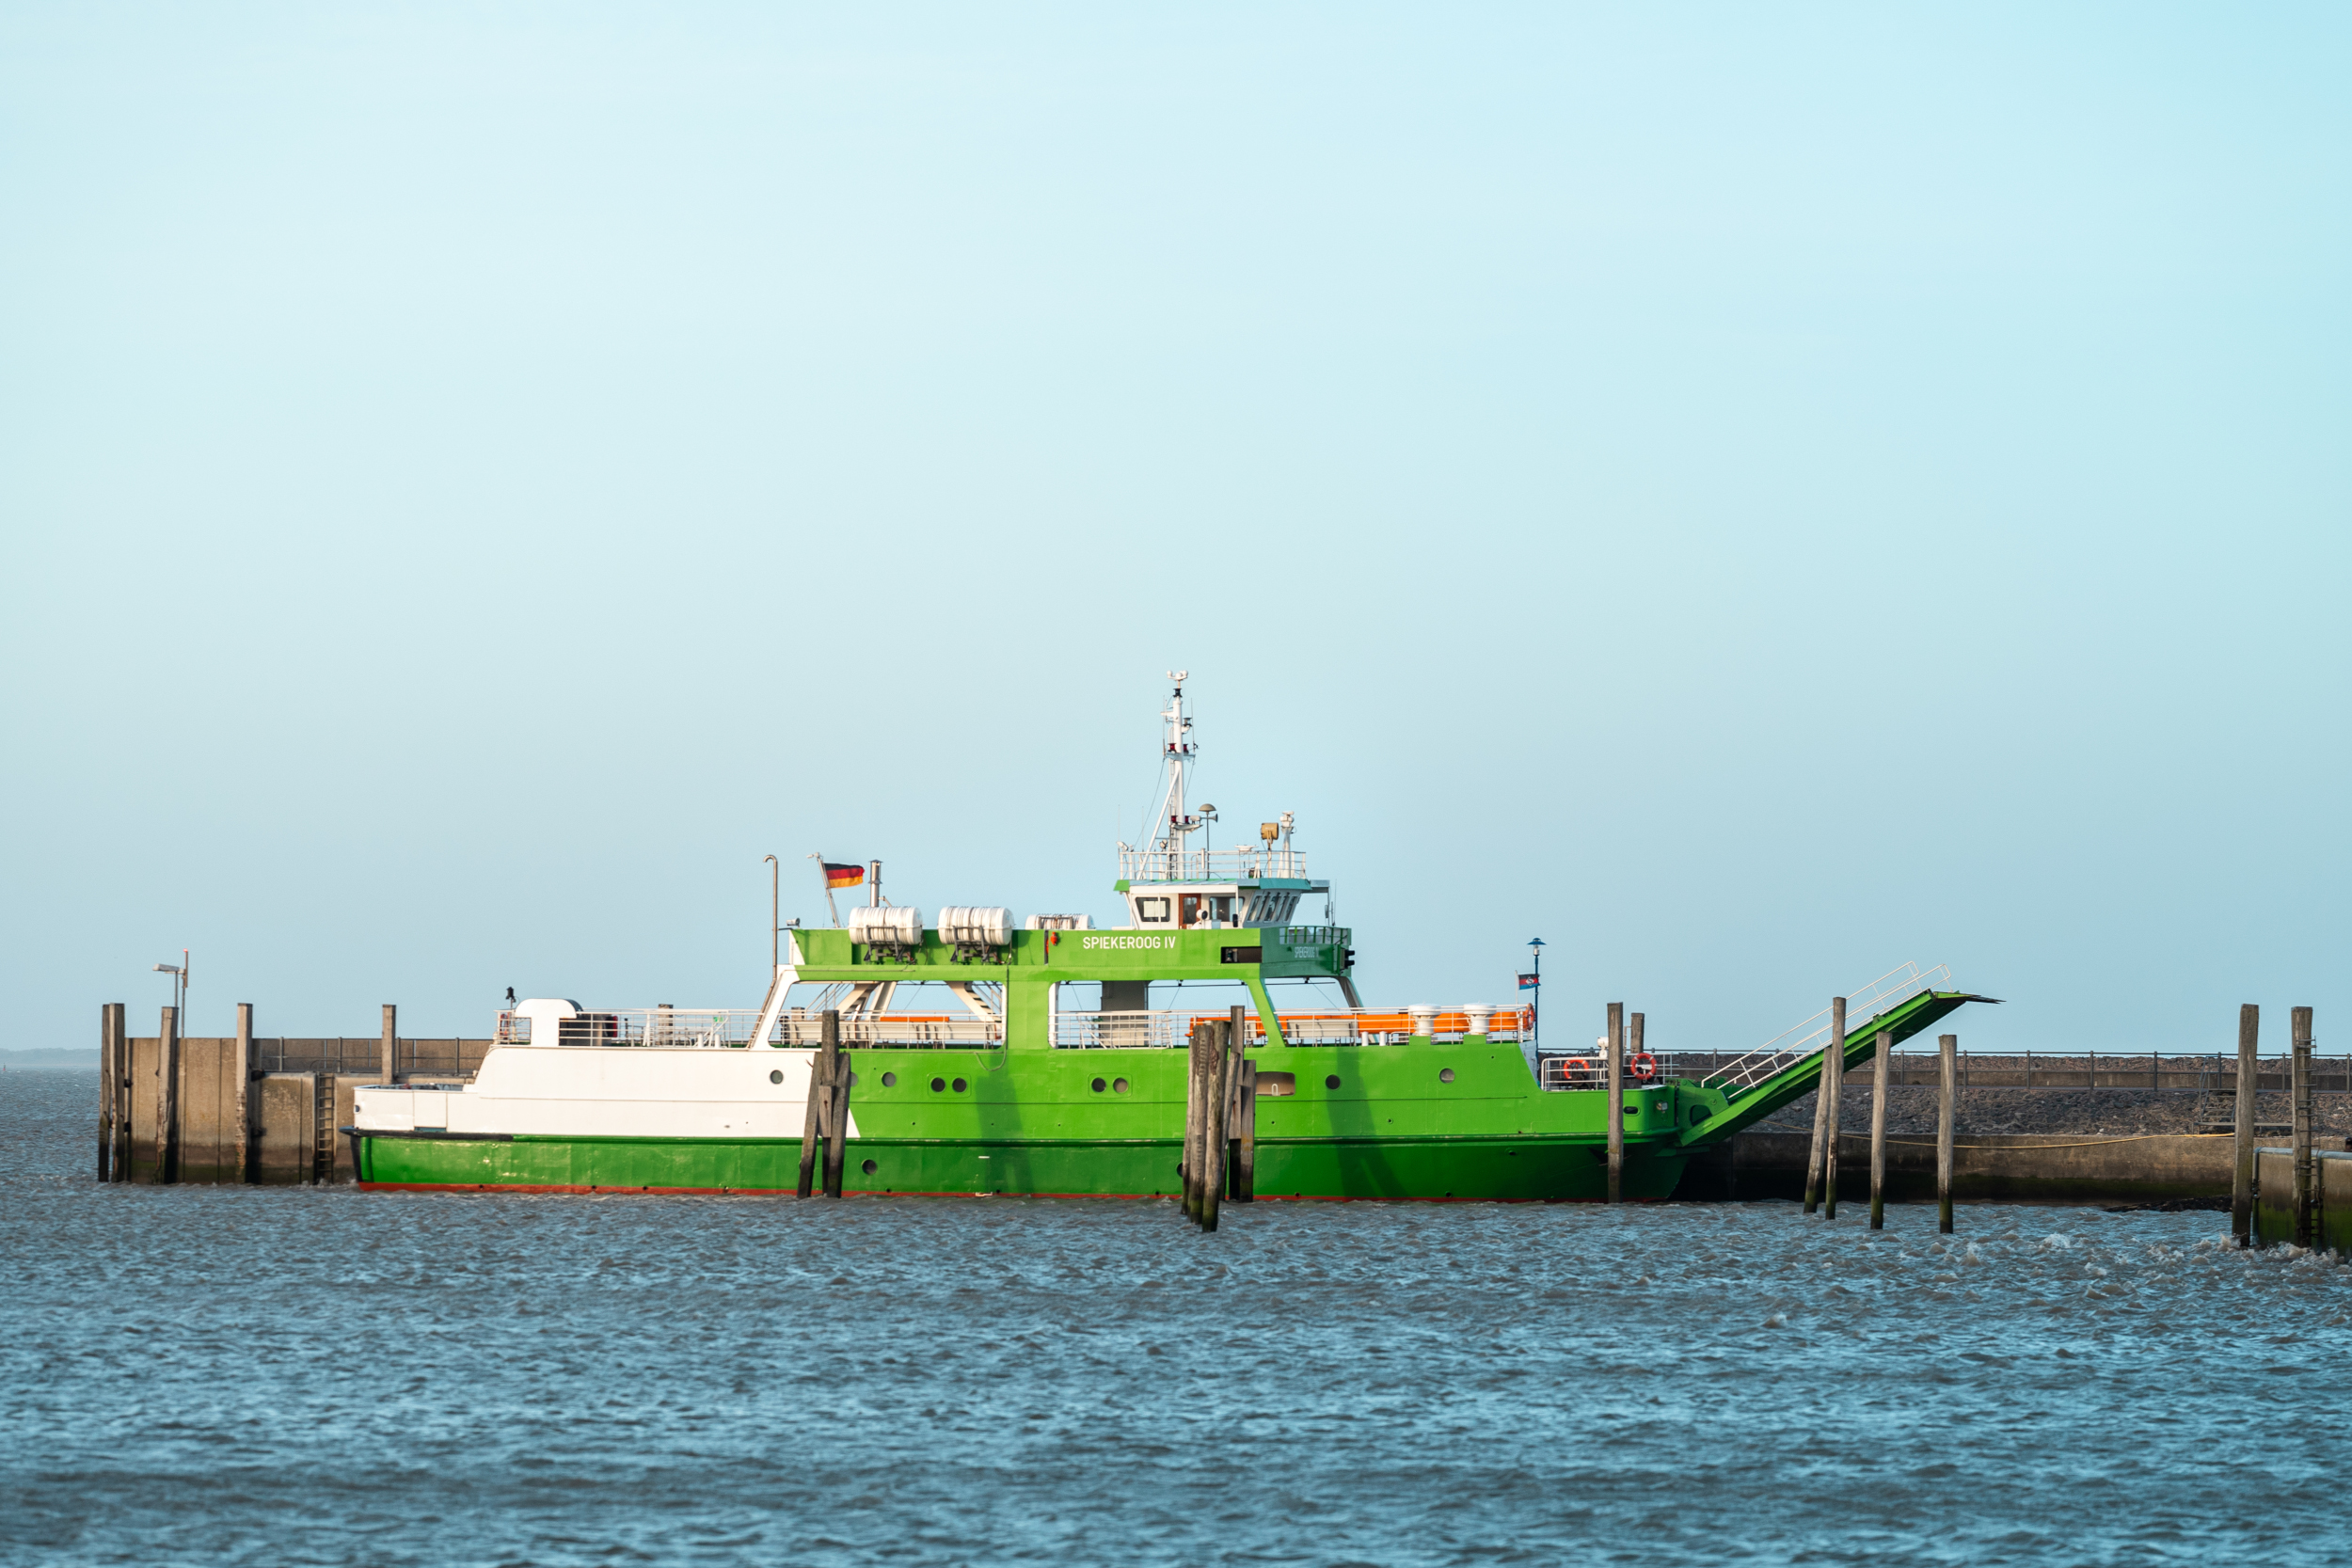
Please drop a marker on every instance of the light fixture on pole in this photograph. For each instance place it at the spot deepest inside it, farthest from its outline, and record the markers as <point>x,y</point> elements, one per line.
<point>1533,981</point>
<point>775,877</point>
<point>179,973</point>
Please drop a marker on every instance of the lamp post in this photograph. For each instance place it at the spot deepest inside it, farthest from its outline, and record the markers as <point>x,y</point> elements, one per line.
<point>775,874</point>
<point>1533,980</point>
<point>179,973</point>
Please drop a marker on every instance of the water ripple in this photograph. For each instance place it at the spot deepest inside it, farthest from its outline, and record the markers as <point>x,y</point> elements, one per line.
<point>327,1376</point>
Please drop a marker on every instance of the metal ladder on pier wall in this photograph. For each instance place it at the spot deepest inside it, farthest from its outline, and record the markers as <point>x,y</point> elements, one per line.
<point>323,1127</point>
<point>2216,1103</point>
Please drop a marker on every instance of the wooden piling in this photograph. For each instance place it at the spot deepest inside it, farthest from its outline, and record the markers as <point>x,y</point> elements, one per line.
<point>1833,1091</point>
<point>391,1043</point>
<point>837,1109</point>
<point>1245,1157</point>
<point>1614,1067</point>
<point>241,1095</point>
<point>2306,1165</point>
<point>1947,1094</point>
<point>168,1097</point>
<point>813,1111</point>
<point>118,1156</point>
<point>1189,1161</point>
<point>1821,1124</point>
<point>1242,1113</point>
<point>2242,1182</point>
<point>1880,1068</point>
<point>109,1079</point>
<point>1215,1088</point>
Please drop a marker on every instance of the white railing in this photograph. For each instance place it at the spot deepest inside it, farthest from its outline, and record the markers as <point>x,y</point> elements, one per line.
<point>1339,1027</point>
<point>717,1028</point>
<point>1131,1031</point>
<point>938,1030</point>
<point>1210,865</point>
<point>1588,1072</point>
<point>669,1028</point>
<point>1799,1040</point>
<point>1570,1072</point>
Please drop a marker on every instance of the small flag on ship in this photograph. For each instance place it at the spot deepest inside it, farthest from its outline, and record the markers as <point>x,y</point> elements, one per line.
<point>843,876</point>
<point>1529,982</point>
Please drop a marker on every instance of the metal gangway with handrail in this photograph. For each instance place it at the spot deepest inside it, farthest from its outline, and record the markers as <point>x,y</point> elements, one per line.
<point>1799,1040</point>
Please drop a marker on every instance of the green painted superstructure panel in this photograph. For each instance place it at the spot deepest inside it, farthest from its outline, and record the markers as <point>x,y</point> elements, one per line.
<point>1035,959</point>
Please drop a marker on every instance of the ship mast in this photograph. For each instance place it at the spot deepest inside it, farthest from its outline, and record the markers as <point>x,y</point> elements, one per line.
<point>1176,751</point>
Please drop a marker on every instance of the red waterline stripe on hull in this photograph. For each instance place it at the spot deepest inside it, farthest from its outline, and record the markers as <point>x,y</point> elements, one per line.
<point>709,1191</point>
<point>863,1192</point>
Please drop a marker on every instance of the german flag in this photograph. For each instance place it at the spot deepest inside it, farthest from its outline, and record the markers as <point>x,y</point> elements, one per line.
<point>843,876</point>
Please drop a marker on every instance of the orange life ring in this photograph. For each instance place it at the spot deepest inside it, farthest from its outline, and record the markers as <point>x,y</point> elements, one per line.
<point>1642,1066</point>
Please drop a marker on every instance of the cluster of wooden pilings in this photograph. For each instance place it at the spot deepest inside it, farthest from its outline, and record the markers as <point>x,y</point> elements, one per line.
<point>1820,1177</point>
<point>2304,1200</point>
<point>825,1126</point>
<point>1821,1167</point>
<point>1221,1153</point>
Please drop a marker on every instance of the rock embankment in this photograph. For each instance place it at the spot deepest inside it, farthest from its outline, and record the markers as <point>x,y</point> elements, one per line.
<point>2102,1111</point>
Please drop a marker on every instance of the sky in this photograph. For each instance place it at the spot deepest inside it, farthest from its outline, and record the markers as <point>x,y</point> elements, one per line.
<point>1751,496</point>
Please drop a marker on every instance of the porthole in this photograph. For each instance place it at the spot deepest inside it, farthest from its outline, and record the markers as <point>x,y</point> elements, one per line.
<point>776,1077</point>
<point>854,1078</point>
<point>938,1083</point>
<point>1119,1085</point>
<point>868,1168</point>
<point>890,1080</point>
<point>960,1086</point>
<point>1332,1082</point>
<point>1445,1076</point>
<point>1631,1112</point>
<point>1098,1086</point>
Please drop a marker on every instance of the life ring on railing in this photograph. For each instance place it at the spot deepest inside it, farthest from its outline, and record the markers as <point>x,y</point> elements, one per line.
<point>1642,1066</point>
<point>1572,1067</point>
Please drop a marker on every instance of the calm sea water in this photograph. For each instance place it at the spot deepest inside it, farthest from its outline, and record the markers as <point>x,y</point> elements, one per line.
<point>328,1376</point>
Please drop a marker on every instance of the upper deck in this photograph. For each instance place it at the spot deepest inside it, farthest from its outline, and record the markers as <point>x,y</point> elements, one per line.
<point>1240,953</point>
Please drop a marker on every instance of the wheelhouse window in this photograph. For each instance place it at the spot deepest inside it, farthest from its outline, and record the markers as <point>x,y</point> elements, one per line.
<point>1152,911</point>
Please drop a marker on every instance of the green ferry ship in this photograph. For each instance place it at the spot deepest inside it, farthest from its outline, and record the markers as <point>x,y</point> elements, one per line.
<point>1042,1066</point>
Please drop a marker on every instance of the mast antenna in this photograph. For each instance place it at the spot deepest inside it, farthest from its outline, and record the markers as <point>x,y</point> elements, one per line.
<point>1176,753</point>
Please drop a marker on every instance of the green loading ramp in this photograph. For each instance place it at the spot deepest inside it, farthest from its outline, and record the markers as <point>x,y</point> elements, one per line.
<point>1786,1070</point>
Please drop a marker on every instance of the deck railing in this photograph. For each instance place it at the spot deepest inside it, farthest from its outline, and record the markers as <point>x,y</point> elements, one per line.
<point>1911,1066</point>
<point>1342,1027</point>
<point>717,1028</point>
<point>1210,865</point>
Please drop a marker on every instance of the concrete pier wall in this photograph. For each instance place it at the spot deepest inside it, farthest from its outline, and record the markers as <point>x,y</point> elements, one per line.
<point>2061,1168</point>
<point>286,1112</point>
<point>2274,1198</point>
<point>289,1129</point>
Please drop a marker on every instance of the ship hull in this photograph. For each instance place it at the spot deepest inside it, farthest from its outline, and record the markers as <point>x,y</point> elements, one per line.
<point>1437,1122</point>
